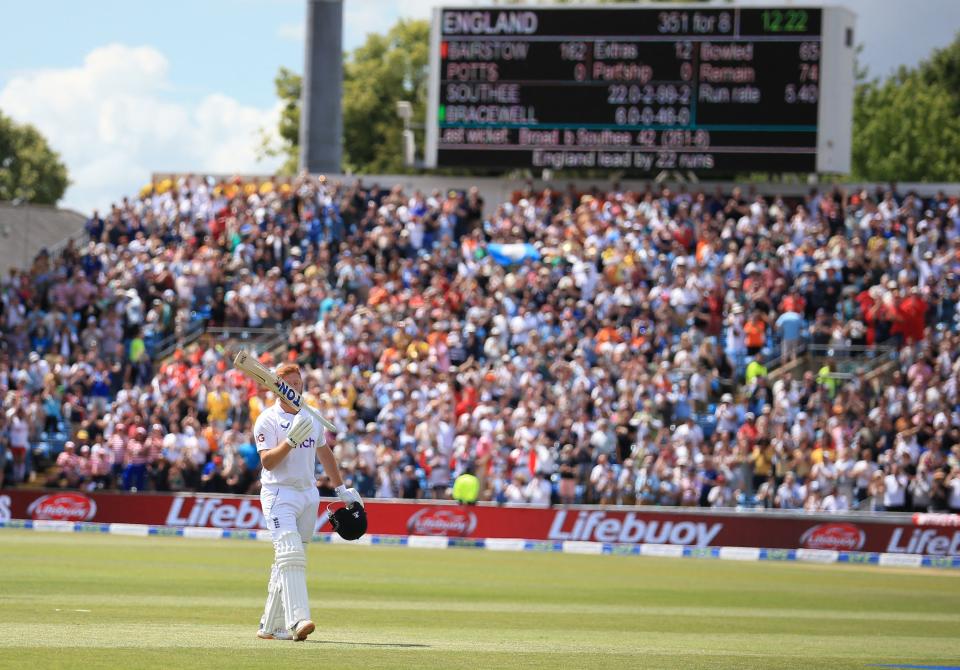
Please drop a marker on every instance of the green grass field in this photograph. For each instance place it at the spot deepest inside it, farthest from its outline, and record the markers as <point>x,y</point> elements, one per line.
<point>99,601</point>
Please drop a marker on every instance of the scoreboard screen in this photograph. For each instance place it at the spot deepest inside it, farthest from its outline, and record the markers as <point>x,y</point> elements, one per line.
<point>705,89</point>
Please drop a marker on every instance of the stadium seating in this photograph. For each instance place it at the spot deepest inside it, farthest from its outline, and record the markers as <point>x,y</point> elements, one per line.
<point>554,332</point>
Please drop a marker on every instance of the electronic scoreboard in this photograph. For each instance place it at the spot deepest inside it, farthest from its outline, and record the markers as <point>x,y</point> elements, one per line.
<point>642,89</point>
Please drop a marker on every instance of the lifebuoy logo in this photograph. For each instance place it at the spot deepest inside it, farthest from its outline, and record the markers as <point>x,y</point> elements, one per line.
<point>924,541</point>
<point>835,536</point>
<point>631,528</point>
<point>442,521</point>
<point>63,507</point>
<point>215,512</point>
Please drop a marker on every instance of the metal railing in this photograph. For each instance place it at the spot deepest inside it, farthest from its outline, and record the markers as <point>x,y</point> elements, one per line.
<point>847,351</point>
<point>247,334</point>
<point>262,339</point>
<point>168,345</point>
<point>782,358</point>
<point>258,339</point>
<point>846,361</point>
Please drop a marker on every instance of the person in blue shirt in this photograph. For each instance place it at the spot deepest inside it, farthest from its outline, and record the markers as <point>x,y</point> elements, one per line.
<point>95,226</point>
<point>249,454</point>
<point>790,326</point>
<point>315,231</point>
<point>40,340</point>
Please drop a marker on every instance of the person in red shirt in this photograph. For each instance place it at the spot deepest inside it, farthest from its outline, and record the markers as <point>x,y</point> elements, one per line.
<point>867,302</point>
<point>793,302</point>
<point>749,429</point>
<point>911,317</point>
<point>465,398</point>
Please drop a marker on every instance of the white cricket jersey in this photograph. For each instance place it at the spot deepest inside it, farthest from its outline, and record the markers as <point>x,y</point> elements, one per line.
<point>298,467</point>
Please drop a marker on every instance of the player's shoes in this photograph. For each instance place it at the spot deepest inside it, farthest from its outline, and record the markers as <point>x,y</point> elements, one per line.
<point>302,629</point>
<point>278,634</point>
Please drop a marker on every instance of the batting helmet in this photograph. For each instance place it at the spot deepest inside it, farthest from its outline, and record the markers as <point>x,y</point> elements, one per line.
<point>349,522</point>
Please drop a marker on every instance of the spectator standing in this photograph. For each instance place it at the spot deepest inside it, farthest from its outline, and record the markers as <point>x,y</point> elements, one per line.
<point>410,488</point>
<point>135,460</point>
<point>788,494</point>
<point>538,491</point>
<point>755,333</point>
<point>515,491</point>
<point>952,483</point>
<point>117,451</point>
<point>895,489</point>
<point>568,475</point>
<point>790,326</point>
<point>721,495</point>
<point>99,466</point>
<point>18,430</point>
<point>4,447</point>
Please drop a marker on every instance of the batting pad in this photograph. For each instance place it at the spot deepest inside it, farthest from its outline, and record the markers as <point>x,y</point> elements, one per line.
<point>292,567</point>
<point>273,610</point>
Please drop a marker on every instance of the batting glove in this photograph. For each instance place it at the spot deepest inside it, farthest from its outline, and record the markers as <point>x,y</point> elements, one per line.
<point>300,430</point>
<point>348,496</point>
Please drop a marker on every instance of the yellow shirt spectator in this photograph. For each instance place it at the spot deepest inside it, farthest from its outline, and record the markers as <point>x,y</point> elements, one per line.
<point>138,348</point>
<point>466,489</point>
<point>816,455</point>
<point>344,395</point>
<point>754,369</point>
<point>311,400</point>
<point>418,350</point>
<point>218,405</point>
<point>762,462</point>
<point>255,405</point>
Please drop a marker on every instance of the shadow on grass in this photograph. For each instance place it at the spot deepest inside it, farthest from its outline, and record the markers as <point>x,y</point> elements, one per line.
<point>371,644</point>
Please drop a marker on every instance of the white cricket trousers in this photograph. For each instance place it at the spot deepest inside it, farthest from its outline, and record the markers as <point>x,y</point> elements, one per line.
<point>288,513</point>
<point>286,509</point>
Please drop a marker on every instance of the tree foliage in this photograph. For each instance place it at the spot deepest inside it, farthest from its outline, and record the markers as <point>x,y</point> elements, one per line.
<point>288,85</point>
<point>379,73</point>
<point>29,169</point>
<point>376,75</point>
<point>907,127</point>
<point>943,69</point>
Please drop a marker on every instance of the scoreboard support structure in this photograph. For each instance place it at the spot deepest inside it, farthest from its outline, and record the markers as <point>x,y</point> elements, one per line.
<point>704,89</point>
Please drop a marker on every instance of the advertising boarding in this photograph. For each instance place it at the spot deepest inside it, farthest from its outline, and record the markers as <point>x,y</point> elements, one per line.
<point>931,534</point>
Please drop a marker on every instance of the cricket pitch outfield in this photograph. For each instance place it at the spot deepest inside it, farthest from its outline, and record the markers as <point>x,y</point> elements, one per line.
<point>101,601</point>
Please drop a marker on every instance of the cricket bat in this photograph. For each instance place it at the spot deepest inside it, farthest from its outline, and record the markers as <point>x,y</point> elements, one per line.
<point>266,378</point>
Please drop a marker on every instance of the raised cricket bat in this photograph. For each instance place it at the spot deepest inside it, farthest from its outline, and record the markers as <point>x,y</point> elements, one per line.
<point>266,378</point>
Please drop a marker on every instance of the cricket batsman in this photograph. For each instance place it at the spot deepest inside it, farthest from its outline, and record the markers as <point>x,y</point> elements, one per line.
<point>289,443</point>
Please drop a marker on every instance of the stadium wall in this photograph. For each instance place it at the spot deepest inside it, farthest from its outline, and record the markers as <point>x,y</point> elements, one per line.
<point>926,534</point>
<point>26,229</point>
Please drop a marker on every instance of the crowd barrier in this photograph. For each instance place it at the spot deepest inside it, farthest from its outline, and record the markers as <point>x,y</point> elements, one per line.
<point>920,534</point>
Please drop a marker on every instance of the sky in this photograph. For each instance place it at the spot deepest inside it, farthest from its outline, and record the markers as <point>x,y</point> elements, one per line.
<point>123,88</point>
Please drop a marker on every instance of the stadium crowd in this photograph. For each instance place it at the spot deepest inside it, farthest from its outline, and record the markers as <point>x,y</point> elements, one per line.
<point>602,347</point>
